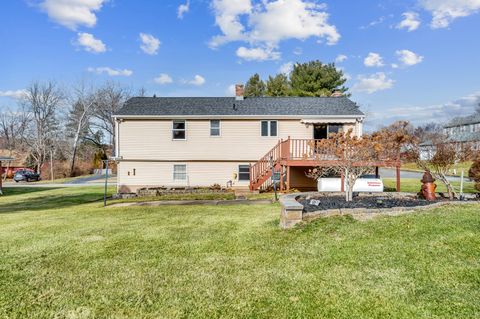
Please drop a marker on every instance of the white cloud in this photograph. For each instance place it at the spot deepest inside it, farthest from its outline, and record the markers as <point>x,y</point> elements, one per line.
<point>90,43</point>
<point>341,58</point>
<point>445,12</point>
<point>373,60</point>
<point>286,68</point>
<point>257,54</point>
<point>409,58</point>
<point>150,44</point>
<point>373,83</point>
<point>230,91</point>
<point>182,9</point>
<point>426,113</point>
<point>268,23</point>
<point>298,51</point>
<point>163,79</point>
<point>374,23</point>
<point>73,13</point>
<point>411,21</point>
<point>198,80</point>
<point>110,71</point>
<point>17,94</point>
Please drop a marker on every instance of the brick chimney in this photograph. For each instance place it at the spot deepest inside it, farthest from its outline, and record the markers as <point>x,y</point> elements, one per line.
<point>239,92</point>
<point>337,93</point>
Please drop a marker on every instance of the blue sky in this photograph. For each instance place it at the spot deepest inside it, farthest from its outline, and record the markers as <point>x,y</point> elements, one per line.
<point>416,60</point>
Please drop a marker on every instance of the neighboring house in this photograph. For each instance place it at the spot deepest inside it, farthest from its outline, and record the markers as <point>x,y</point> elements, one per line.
<point>464,131</point>
<point>17,163</point>
<point>201,141</point>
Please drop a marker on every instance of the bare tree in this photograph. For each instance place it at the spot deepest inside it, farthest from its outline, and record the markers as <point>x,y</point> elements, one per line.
<point>41,101</point>
<point>79,118</point>
<point>12,129</point>
<point>352,156</point>
<point>110,98</point>
<point>445,156</point>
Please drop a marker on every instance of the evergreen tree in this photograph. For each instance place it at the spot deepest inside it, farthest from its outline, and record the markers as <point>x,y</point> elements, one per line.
<point>255,86</point>
<point>316,79</point>
<point>278,85</point>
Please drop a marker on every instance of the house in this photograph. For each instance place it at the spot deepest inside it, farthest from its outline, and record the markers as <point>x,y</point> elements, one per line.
<point>464,131</point>
<point>16,163</point>
<point>230,141</point>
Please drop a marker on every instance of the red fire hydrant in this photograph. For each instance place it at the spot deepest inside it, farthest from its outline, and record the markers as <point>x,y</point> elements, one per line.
<point>428,186</point>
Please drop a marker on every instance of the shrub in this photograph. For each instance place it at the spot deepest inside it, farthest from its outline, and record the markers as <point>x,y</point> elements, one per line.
<point>474,172</point>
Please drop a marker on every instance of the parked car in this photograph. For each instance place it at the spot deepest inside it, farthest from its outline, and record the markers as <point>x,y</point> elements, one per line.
<point>26,176</point>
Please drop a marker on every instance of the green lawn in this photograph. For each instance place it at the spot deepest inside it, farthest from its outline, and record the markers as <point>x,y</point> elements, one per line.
<point>413,185</point>
<point>63,256</point>
<point>456,171</point>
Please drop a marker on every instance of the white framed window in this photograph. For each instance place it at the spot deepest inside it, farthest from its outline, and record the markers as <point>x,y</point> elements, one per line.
<point>179,130</point>
<point>244,172</point>
<point>335,128</point>
<point>179,172</point>
<point>215,128</point>
<point>269,128</point>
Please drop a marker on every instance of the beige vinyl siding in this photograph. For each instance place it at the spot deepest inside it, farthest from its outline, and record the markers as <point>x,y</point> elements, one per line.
<point>238,140</point>
<point>148,147</point>
<point>154,174</point>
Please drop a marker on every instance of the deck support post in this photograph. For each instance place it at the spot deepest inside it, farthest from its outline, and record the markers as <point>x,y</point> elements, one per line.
<point>398,177</point>
<point>282,170</point>
<point>342,182</point>
<point>288,177</point>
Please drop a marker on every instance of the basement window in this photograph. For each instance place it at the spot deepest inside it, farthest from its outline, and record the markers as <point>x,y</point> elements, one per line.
<point>180,172</point>
<point>269,128</point>
<point>179,130</point>
<point>244,172</point>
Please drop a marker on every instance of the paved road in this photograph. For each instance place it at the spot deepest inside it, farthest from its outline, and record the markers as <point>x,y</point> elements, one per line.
<point>96,180</point>
<point>100,180</point>
<point>390,173</point>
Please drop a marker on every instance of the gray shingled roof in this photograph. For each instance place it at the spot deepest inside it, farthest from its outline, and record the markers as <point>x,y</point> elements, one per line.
<point>471,119</point>
<point>271,106</point>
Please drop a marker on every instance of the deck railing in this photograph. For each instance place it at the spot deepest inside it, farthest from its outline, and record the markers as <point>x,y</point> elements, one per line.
<point>299,150</point>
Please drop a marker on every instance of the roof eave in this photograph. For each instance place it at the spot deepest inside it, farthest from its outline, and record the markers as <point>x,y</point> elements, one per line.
<point>251,117</point>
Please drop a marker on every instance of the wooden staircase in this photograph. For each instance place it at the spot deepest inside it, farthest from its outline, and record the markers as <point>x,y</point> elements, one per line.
<point>261,171</point>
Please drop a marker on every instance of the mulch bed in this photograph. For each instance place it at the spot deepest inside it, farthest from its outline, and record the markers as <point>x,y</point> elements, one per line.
<point>337,202</point>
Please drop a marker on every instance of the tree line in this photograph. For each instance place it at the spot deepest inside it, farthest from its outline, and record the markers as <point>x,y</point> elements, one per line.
<point>51,123</point>
<point>312,78</point>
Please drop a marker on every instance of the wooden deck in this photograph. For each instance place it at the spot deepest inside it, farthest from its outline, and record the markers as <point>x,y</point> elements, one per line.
<point>300,153</point>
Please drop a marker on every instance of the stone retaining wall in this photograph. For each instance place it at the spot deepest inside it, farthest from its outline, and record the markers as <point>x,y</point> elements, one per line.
<point>292,211</point>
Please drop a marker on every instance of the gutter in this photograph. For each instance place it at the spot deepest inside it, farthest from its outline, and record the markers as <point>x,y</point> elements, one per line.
<point>239,117</point>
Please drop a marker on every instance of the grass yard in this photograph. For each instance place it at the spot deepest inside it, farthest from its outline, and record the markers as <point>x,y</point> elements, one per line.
<point>413,185</point>
<point>64,256</point>
<point>456,171</point>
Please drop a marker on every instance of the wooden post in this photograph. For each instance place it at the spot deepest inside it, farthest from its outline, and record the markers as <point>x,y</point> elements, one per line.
<point>288,177</point>
<point>288,153</point>
<point>376,172</point>
<point>250,174</point>
<point>342,182</point>
<point>282,169</point>
<point>398,178</point>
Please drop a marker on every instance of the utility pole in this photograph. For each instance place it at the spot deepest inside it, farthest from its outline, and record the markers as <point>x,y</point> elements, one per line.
<point>51,164</point>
